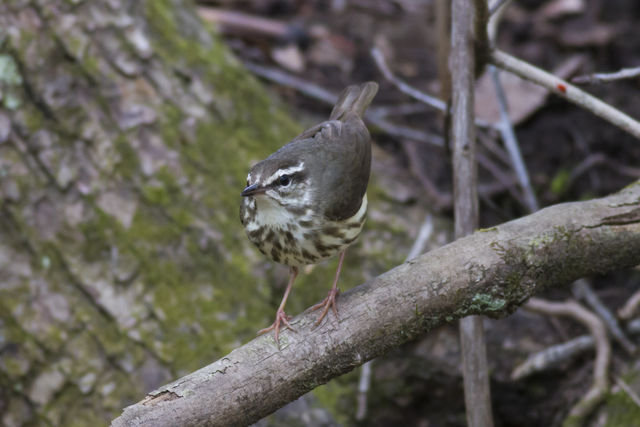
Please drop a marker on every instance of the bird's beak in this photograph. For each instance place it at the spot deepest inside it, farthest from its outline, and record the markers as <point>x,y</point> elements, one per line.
<point>252,189</point>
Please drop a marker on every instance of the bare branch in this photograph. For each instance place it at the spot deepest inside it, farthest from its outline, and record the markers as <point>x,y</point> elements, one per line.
<point>552,356</point>
<point>566,90</point>
<point>416,94</point>
<point>307,88</point>
<point>465,33</point>
<point>510,141</point>
<point>582,290</point>
<point>496,5</point>
<point>405,88</point>
<point>489,272</point>
<point>603,352</point>
<point>630,307</point>
<point>632,394</point>
<point>634,325</point>
<point>316,92</point>
<point>598,78</point>
<point>232,22</point>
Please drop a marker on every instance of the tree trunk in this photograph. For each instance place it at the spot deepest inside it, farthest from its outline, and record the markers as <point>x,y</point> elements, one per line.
<point>126,132</point>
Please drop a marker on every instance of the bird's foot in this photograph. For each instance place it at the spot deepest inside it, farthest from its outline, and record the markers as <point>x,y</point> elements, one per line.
<point>328,303</point>
<point>281,318</point>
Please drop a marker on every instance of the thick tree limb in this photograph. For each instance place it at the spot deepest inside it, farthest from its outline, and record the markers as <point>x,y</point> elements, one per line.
<point>489,272</point>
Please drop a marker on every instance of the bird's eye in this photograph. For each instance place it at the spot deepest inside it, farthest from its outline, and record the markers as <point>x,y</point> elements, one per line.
<point>284,180</point>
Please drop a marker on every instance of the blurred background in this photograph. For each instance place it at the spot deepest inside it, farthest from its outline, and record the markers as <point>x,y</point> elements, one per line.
<point>126,132</point>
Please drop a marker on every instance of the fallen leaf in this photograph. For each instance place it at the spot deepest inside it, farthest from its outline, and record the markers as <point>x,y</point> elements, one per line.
<point>288,57</point>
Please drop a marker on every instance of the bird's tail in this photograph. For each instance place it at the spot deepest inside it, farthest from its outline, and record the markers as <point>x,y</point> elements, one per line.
<point>354,98</point>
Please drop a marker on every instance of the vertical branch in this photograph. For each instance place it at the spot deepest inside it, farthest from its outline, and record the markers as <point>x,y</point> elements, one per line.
<point>510,141</point>
<point>443,29</point>
<point>463,64</point>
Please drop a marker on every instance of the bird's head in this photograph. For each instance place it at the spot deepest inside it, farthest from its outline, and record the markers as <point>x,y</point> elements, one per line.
<point>282,181</point>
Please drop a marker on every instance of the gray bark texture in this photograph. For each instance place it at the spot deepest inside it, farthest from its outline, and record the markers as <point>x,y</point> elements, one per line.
<point>475,369</point>
<point>490,272</point>
<point>126,130</point>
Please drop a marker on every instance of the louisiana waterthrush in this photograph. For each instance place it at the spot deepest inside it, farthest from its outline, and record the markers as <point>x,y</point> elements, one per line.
<point>307,201</point>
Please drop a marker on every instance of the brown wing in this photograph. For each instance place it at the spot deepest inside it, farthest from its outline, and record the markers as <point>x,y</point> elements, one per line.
<point>342,163</point>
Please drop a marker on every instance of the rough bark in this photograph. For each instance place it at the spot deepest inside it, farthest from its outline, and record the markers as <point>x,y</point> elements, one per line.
<point>126,130</point>
<point>475,369</point>
<point>490,272</point>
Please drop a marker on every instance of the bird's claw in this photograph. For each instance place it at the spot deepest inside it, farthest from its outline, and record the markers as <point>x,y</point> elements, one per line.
<point>328,303</point>
<point>281,317</point>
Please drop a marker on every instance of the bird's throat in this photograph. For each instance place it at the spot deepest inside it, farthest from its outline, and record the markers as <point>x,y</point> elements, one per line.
<point>270,212</point>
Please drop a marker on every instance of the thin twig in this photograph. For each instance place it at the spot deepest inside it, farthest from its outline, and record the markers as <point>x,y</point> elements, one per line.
<point>632,394</point>
<point>230,21</point>
<point>440,105</point>
<point>407,89</point>
<point>496,5</point>
<point>363,390</point>
<point>556,354</point>
<point>399,109</point>
<point>630,307</point>
<point>582,290</point>
<point>424,234</point>
<point>496,12</point>
<point>510,141</point>
<point>584,166</point>
<point>309,89</point>
<point>566,90</point>
<point>436,103</point>
<point>595,159</point>
<point>603,351</point>
<point>506,179</point>
<point>598,78</point>
<point>634,326</point>
<point>316,92</point>
<point>442,15</point>
<point>552,356</point>
<point>488,141</point>
<point>399,131</point>
<point>438,199</point>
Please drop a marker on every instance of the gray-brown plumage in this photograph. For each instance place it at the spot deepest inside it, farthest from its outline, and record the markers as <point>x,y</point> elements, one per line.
<point>307,201</point>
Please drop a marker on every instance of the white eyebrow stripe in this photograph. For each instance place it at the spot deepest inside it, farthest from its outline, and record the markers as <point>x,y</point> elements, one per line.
<point>288,171</point>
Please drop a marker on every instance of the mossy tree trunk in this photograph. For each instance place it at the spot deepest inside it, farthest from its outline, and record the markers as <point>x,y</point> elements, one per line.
<point>126,130</point>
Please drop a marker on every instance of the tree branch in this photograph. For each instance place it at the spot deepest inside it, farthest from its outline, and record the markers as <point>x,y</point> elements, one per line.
<point>467,27</point>
<point>489,272</point>
<point>603,353</point>
<point>564,89</point>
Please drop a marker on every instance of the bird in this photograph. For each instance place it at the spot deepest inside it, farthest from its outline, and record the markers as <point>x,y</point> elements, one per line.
<point>307,201</point>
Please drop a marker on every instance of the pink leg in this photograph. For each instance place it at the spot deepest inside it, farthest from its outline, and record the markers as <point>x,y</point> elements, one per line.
<point>281,317</point>
<point>330,300</point>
